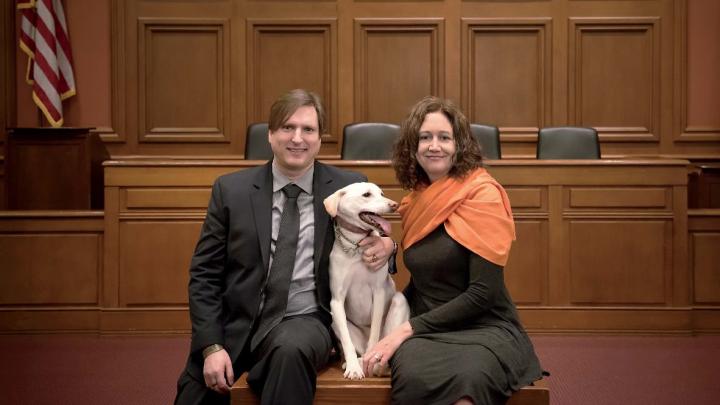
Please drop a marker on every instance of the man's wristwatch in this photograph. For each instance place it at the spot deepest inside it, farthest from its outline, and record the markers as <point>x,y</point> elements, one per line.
<point>211,349</point>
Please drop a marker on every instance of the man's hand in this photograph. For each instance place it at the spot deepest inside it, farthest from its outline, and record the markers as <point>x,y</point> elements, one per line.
<point>218,372</point>
<point>376,251</point>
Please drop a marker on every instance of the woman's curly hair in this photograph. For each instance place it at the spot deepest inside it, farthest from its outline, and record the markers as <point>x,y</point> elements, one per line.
<point>467,150</point>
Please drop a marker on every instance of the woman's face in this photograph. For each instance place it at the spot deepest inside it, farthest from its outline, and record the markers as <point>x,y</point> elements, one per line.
<point>436,145</point>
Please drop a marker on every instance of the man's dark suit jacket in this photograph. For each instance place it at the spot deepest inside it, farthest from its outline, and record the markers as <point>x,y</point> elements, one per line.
<point>231,258</point>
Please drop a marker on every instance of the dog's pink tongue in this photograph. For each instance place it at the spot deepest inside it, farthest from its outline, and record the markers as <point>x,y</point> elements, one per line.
<point>384,223</point>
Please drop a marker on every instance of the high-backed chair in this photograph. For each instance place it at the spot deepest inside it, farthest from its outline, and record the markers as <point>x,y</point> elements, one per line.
<point>257,146</point>
<point>489,138</point>
<point>568,143</point>
<point>369,140</point>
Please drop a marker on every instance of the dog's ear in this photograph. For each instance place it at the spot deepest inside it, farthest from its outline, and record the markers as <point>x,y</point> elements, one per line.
<point>331,203</point>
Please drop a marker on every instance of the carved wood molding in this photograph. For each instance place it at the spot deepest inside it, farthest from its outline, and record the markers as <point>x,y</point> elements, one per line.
<point>432,28</point>
<point>542,29</point>
<point>116,133</point>
<point>149,30</point>
<point>683,131</point>
<point>289,29</point>
<point>578,29</point>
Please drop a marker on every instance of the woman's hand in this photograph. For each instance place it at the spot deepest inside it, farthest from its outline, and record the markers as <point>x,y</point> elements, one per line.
<point>385,348</point>
<point>376,251</point>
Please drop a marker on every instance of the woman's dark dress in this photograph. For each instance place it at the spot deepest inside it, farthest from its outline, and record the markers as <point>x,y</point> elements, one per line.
<point>467,341</point>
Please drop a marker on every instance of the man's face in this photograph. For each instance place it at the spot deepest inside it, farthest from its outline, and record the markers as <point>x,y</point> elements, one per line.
<point>296,143</point>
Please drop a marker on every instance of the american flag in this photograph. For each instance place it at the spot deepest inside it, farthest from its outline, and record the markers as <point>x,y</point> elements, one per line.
<point>44,38</point>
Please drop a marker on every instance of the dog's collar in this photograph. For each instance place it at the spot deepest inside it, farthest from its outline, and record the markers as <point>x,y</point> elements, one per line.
<point>344,240</point>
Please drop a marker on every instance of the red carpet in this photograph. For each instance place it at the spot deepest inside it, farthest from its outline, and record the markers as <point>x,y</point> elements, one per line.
<point>60,369</point>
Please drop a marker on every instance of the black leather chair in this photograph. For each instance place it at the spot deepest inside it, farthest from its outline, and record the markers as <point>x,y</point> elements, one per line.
<point>489,138</point>
<point>257,146</point>
<point>568,143</point>
<point>369,141</point>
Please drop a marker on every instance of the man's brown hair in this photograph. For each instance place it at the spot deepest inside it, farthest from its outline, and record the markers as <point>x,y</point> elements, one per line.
<point>286,105</point>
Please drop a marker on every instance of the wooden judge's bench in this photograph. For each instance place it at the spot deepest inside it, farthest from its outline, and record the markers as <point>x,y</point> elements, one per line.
<point>602,246</point>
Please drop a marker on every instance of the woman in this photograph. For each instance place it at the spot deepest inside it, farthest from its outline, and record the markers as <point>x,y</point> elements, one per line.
<point>463,343</point>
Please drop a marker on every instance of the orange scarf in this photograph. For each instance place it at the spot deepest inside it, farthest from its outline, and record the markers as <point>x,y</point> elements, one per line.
<point>475,210</point>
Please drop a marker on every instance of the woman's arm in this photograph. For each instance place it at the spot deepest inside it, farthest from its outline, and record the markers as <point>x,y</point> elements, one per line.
<point>486,280</point>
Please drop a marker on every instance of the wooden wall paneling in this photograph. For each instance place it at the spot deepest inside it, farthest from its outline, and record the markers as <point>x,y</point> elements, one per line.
<point>64,264</point>
<point>505,61</point>
<point>397,62</point>
<point>704,265</point>
<point>612,320</point>
<point>681,276</point>
<point>154,224</point>
<point>111,250</point>
<point>704,255</point>
<point>526,273</point>
<point>64,269</point>
<point>558,251</point>
<point>614,76</point>
<point>52,270</point>
<point>618,197</point>
<point>184,99</point>
<point>686,57</point>
<point>178,198</point>
<point>115,133</point>
<point>637,248</point>
<point>705,259</point>
<point>144,320</point>
<point>130,74</point>
<point>619,261</point>
<point>155,257</point>
<point>695,55</point>
<point>284,54</point>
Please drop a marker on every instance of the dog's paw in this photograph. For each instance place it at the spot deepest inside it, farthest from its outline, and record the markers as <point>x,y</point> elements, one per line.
<point>353,372</point>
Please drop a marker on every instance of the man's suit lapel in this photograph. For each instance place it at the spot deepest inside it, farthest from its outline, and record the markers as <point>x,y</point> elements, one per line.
<point>262,210</point>
<point>322,188</point>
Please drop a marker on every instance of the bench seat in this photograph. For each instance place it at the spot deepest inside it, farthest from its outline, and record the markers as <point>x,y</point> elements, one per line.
<point>333,388</point>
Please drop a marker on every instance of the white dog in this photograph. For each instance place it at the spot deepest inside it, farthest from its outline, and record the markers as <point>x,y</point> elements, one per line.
<point>365,306</point>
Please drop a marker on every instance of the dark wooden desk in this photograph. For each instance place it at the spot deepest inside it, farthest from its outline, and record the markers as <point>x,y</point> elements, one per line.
<point>601,244</point>
<point>602,247</point>
<point>54,168</point>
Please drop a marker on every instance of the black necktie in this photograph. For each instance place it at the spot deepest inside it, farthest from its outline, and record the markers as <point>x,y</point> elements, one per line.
<point>278,283</point>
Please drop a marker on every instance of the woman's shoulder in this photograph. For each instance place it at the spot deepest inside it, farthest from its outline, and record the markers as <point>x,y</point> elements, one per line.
<point>485,188</point>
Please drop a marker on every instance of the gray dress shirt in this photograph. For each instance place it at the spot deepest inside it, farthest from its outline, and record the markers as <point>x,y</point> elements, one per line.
<point>301,296</point>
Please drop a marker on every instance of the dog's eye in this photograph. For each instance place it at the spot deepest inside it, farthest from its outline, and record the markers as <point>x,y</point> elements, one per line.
<point>366,195</point>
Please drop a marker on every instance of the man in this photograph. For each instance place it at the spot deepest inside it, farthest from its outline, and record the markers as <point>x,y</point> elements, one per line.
<point>233,282</point>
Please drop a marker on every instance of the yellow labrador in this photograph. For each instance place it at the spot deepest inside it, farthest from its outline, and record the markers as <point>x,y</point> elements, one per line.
<point>365,305</point>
